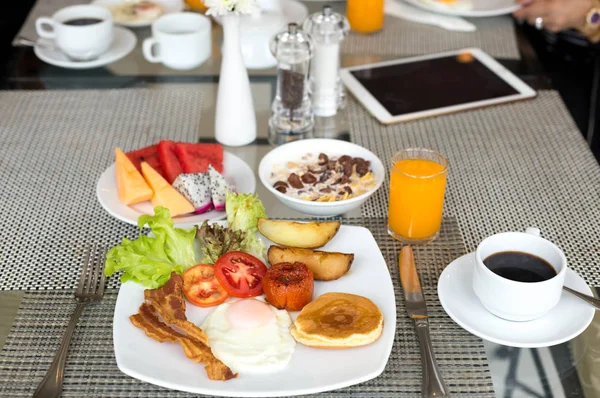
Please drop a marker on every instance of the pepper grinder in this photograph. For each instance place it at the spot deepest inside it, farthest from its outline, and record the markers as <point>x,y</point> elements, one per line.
<point>328,29</point>
<point>291,113</point>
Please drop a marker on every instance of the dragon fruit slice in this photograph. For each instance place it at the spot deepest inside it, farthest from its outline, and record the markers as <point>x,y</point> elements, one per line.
<point>195,188</point>
<point>218,188</point>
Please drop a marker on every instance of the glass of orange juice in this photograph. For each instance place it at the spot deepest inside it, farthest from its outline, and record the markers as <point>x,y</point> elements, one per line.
<point>417,187</point>
<point>365,16</point>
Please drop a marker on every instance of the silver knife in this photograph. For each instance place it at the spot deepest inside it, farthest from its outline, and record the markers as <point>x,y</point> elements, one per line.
<point>433,383</point>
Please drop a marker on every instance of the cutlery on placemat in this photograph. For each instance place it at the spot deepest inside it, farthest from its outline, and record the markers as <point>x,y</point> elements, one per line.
<point>399,9</point>
<point>90,288</point>
<point>433,383</point>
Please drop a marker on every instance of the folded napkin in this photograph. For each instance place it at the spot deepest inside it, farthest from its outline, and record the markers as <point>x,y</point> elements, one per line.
<point>399,9</point>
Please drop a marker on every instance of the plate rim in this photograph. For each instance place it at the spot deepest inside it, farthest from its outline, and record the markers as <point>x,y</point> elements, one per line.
<point>102,61</point>
<point>501,341</point>
<point>180,224</point>
<point>464,13</point>
<point>180,8</point>
<point>278,393</point>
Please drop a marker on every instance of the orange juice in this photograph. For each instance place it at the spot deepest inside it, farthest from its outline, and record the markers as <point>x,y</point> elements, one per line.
<point>417,189</point>
<point>365,16</point>
<point>196,5</point>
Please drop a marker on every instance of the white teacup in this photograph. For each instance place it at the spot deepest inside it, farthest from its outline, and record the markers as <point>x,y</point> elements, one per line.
<point>179,40</point>
<point>79,42</point>
<point>513,300</point>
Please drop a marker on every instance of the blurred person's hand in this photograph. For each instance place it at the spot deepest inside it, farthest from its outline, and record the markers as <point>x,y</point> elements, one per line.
<point>556,15</point>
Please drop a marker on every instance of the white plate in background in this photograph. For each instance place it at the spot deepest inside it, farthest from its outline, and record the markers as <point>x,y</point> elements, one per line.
<point>311,370</point>
<point>481,8</point>
<point>235,170</point>
<point>168,6</point>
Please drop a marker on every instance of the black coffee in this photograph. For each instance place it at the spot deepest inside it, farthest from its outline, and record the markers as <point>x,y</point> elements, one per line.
<point>82,21</point>
<point>520,267</point>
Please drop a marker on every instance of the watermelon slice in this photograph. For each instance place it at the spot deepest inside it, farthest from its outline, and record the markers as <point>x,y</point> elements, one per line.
<point>195,158</point>
<point>168,160</point>
<point>149,155</point>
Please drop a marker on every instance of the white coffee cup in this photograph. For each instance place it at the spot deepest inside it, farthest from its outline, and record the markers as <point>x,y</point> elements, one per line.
<point>79,42</point>
<point>513,300</point>
<point>179,40</point>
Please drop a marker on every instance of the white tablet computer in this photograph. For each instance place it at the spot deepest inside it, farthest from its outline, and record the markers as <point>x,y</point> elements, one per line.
<point>413,88</point>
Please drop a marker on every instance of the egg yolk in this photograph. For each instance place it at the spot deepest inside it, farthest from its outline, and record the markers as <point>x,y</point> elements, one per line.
<point>250,313</point>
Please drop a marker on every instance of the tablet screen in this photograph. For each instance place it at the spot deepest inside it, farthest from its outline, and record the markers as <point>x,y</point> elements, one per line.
<point>434,83</point>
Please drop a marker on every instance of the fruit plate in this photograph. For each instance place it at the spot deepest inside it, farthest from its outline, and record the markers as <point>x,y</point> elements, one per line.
<point>311,370</point>
<point>236,172</point>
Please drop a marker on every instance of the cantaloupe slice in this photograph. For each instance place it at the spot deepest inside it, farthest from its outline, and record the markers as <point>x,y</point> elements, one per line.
<point>164,194</point>
<point>131,186</point>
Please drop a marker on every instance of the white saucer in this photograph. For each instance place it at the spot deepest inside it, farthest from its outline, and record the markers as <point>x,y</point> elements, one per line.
<point>568,319</point>
<point>168,6</point>
<point>124,42</point>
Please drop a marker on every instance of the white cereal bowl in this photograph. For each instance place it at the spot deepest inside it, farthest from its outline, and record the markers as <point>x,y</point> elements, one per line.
<point>295,150</point>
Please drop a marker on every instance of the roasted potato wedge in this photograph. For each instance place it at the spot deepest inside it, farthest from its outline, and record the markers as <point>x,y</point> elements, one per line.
<point>311,235</point>
<point>325,266</point>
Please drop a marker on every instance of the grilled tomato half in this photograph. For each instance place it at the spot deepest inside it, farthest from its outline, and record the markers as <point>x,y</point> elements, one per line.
<point>289,286</point>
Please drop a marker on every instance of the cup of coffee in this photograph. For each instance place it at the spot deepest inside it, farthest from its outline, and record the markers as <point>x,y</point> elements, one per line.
<point>82,32</point>
<point>179,41</point>
<point>519,276</point>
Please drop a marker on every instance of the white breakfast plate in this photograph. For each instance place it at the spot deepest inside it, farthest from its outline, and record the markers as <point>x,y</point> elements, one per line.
<point>481,8</point>
<point>168,6</point>
<point>568,319</point>
<point>123,43</point>
<point>310,370</point>
<point>235,170</point>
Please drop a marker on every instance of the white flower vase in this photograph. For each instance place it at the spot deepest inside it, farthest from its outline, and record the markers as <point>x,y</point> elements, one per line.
<point>235,118</point>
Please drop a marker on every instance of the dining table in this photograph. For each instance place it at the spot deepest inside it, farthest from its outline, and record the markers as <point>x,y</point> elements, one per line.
<point>511,166</point>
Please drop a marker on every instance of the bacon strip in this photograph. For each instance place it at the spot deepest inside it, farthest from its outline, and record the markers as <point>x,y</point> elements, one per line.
<point>167,303</point>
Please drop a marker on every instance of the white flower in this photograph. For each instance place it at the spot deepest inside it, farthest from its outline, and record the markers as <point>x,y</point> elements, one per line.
<point>224,7</point>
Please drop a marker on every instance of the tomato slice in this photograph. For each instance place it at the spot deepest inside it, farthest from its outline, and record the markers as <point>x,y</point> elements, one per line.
<point>241,274</point>
<point>201,287</point>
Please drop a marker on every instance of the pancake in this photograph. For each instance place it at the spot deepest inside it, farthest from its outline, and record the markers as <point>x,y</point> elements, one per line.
<point>338,320</point>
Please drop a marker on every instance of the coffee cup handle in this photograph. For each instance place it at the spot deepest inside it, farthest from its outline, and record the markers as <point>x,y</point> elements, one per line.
<point>533,231</point>
<point>39,27</point>
<point>149,45</point>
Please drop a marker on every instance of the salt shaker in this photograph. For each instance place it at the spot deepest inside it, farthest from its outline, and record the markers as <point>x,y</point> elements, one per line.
<point>328,29</point>
<point>291,113</point>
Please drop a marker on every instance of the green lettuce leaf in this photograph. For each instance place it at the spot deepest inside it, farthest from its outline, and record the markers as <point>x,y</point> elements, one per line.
<point>150,260</point>
<point>243,211</point>
<point>216,240</point>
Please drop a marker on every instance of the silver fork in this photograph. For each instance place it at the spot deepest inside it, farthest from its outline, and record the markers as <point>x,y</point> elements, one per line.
<point>90,289</point>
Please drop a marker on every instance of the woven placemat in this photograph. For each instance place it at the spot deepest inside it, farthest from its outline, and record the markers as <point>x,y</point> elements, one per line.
<point>511,167</point>
<point>496,36</point>
<point>92,372</point>
<point>54,147</point>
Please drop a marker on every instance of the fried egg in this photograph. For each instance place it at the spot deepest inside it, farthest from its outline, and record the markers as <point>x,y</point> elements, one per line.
<point>250,336</point>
